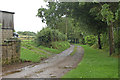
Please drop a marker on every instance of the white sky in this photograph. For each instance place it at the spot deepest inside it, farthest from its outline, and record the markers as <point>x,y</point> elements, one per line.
<point>25,13</point>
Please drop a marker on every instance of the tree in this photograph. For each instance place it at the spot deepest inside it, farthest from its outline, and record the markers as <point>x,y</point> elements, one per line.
<point>108,14</point>
<point>47,35</point>
<point>93,18</point>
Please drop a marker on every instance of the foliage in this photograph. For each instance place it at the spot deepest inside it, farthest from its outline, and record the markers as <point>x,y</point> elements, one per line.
<point>54,19</point>
<point>47,35</point>
<point>60,45</point>
<point>95,64</point>
<point>26,33</point>
<point>90,40</point>
<point>48,15</point>
<point>94,18</point>
<point>80,16</point>
<point>117,40</point>
<point>108,13</point>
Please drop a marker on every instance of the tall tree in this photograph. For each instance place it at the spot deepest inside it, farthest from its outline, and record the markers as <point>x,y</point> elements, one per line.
<point>107,12</point>
<point>96,17</point>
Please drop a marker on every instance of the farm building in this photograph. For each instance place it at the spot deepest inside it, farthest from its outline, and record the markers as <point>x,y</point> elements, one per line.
<point>9,46</point>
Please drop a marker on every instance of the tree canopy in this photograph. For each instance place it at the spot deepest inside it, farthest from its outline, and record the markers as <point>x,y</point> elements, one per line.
<point>96,18</point>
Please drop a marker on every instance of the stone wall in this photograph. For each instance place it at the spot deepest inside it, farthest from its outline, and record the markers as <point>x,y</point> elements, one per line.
<point>6,34</point>
<point>10,51</point>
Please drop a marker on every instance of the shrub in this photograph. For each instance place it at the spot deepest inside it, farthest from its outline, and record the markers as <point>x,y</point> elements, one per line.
<point>90,40</point>
<point>117,40</point>
<point>48,35</point>
<point>60,45</point>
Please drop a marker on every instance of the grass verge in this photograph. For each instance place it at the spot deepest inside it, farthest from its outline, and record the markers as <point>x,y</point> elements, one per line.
<point>95,64</point>
<point>75,49</point>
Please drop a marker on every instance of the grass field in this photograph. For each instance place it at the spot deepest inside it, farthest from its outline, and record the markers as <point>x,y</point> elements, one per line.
<point>95,64</point>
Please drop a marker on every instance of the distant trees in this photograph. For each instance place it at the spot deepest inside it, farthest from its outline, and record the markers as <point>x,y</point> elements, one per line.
<point>26,33</point>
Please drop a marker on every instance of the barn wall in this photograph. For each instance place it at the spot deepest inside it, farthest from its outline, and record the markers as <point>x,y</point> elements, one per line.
<point>7,34</point>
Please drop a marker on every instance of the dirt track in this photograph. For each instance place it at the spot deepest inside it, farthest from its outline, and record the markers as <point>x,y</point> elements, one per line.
<point>54,67</point>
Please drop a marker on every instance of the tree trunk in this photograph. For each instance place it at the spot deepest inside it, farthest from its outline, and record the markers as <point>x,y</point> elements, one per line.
<point>99,41</point>
<point>74,40</point>
<point>111,39</point>
<point>83,41</point>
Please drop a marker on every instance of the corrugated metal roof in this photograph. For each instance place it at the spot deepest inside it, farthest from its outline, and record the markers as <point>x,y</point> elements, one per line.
<point>7,12</point>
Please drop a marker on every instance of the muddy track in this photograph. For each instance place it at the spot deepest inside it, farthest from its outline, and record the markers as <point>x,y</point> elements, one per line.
<point>54,67</point>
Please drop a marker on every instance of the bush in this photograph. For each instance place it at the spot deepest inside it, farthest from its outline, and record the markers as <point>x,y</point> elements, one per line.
<point>90,40</point>
<point>117,40</point>
<point>60,45</point>
<point>47,35</point>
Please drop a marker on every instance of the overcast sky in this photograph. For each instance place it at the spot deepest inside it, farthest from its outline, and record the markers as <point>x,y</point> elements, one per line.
<point>25,13</point>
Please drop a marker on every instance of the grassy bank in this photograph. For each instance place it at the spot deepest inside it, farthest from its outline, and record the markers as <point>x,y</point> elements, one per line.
<point>30,52</point>
<point>29,55</point>
<point>57,47</point>
<point>95,64</point>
